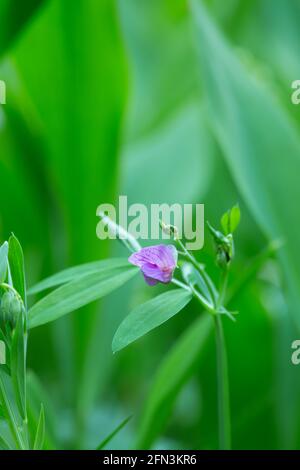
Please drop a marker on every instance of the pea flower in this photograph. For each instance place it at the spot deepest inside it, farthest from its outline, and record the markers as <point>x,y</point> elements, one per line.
<point>157,263</point>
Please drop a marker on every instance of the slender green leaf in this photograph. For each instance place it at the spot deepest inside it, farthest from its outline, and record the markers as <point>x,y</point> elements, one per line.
<point>4,445</point>
<point>78,293</point>
<point>37,394</point>
<point>150,315</point>
<point>16,265</point>
<point>9,412</point>
<point>75,272</point>
<point>3,261</point>
<point>18,366</point>
<point>40,431</point>
<point>177,367</point>
<point>107,440</point>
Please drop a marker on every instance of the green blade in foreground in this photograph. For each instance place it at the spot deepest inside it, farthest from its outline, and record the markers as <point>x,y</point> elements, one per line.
<point>16,264</point>
<point>18,366</point>
<point>40,431</point>
<point>150,315</point>
<point>70,274</point>
<point>78,293</point>
<point>107,439</point>
<point>3,261</point>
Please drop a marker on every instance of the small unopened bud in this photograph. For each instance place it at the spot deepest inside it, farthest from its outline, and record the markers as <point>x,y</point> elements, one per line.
<point>11,306</point>
<point>169,230</point>
<point>224,247</point>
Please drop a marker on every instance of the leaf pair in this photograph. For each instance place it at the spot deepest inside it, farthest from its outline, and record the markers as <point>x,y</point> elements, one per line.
<point>81,285</point>
<point>231,219</point>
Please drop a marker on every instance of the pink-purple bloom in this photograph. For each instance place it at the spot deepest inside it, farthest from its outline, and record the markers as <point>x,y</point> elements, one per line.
<point>157,263</point>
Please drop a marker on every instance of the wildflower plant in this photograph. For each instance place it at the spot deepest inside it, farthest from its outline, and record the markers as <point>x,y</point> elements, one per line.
<point>75,287</point>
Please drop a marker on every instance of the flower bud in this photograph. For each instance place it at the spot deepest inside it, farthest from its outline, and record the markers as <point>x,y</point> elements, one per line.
<point>11,306</point>
<point>169,229</point>
<point>224,247</point>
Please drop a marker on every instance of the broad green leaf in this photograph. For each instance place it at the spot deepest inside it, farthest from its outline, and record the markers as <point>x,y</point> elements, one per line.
<point>16,265</point>
<point>78,293</point>
<point>18,365</point>
<point>231,219</point>
<point>148,316</point>
<point>3,261</point>
<point>40,431</point>
<point>175,370</point>
<point>75,272</point>
<point>13,22</point>
<point>107,440</point>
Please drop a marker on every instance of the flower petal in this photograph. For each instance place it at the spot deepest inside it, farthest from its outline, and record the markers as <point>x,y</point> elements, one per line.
<point>150,281</point>
<point>150,270</point>
<point>161,255</point>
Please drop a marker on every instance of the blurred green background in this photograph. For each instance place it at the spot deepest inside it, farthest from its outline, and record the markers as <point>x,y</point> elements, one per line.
<point>163,101</point>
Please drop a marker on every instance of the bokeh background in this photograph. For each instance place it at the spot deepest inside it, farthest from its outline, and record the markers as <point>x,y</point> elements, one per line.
<point>163,101</point>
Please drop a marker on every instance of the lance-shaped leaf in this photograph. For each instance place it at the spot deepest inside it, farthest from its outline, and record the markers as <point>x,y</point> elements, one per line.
<point>107,439</point>
<point>78,293</point>
<point>40,431</point>
<point>70,274</point>
<point>16,265</point>
<point>3,261</point>
<point>150,315</point>
<point>18,365</point>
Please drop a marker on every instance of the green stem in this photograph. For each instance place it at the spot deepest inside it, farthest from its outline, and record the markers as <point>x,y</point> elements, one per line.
<point>222,374</point>
<point>198,266</point>
<point>10,416</point>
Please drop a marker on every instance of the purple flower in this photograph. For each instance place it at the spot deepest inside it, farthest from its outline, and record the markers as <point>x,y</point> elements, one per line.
<point>157,263</point>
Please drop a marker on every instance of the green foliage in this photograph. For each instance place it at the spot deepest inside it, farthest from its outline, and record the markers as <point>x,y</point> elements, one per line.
<point>18,365</point>
<point>40,431</point>
<point>174,372</point>
<point>231,219</point>
<point>76,272</point>
<point>16,265</point>
<point>107,440</point>
<point>93,111</point>
<point>148,316</point>
<point>78,293</point>
<point>3,261</point>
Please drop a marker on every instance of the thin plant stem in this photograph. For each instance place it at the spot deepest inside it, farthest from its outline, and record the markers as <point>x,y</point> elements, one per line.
<point>198,266</point>
<point>222,374</point>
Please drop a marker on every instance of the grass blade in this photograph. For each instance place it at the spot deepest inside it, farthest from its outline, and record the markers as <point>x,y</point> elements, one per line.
<point>40,431</point>
<point>3,261</point>
<point>16,265</point>
<point>18,366</point>
<point>107,439</point>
